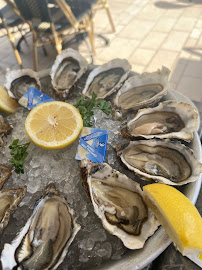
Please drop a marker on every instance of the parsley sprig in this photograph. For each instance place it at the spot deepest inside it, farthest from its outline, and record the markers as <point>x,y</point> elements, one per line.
<point>19,153</point>
<point>86,105</point>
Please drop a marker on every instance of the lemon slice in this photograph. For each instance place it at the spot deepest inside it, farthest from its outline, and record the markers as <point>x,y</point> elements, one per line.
<point>7,104</point>
<point>54,124</point>
<point>177,215</point>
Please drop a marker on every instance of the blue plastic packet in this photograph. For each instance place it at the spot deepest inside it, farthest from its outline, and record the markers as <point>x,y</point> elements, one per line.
<point>92,145</point>
<point>32,98</point>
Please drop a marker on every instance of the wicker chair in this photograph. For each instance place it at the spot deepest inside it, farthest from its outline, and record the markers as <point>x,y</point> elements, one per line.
<point>49,23</point>
<point>10,18</point>
<point>102,4</point>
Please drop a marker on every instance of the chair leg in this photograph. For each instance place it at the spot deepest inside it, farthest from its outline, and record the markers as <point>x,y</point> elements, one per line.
<point>11,38</point>
<point>90,29</point>
<point>22,35</point>
<point>35,56</point>
<point>92,33</point>
<point>58,43</point>
<point>106,6</point>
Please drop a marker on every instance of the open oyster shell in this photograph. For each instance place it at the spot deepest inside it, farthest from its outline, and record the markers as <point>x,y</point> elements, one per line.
<point>5,129</point>
<point>141,91</point>
<point>106,79</point>
<point>19,81</point>
<point>170,119</point>
<point>164,161</point>
<point>44,240</point>
<point>9,200</point>
<point>118,202</point>
<point>68,67</point>
<point>5,173</point>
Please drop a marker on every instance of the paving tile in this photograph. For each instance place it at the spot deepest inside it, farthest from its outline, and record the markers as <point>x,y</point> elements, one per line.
<point>98,61</point>
<point>193,12</point>
<point>136,29</point>
<point>185,23</point>
<point>190,87</point>
<point>196,32</point>
<point>185,54</point>
<point>199,24</point>
<point>191,51</point>
<point>137,68</point>
<point>119,47</point>
<point>173,13</point>
<point>120,5</point>
<point>165,24</point>
<point>153,40</point>
<point>124,18</point>
<point>100,16</point>
<point>194,68</point>
<point>191,42</point>
<point>141,57</point>
<point>162,58</point>
<point>175,41</point>
<point>111,35</point>
<point>151,12</point>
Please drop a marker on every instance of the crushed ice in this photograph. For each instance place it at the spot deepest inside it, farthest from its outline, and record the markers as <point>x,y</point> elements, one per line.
<point>93,244</point>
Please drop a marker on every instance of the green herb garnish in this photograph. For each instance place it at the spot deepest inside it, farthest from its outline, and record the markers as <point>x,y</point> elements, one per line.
<point>86,105</point>
<point>19,153</point>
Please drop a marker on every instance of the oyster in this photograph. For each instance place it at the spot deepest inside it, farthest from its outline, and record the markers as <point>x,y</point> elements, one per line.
<point>118,202</point>
<point>5,129</point>
<point>141,91</point>
<point>106,79</point>
<point>9,200</point>
<point>69,66</point>
<point>170,119</point>
<point>164,161</point>
<point>45,238</point>
<point>19,81</point>
<point>5,173</point>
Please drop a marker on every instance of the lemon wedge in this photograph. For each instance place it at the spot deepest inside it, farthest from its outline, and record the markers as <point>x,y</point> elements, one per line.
<point>53,125</point>
<point>7,104</point>
<point>177,215</point>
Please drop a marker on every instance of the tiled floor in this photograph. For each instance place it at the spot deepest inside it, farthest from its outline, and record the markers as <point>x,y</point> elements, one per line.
<point>149,33</point>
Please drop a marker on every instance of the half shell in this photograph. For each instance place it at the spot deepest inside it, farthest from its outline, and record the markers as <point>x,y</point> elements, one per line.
<point>106,79</point>
<point>19,81</point>
<point>164,161</point>
<point>5,129</point>
<point>5,173</point>
<point>45,238</point>
<point>118,202</point>
<point>68,67</point>
<point>9,200</point>
<point>170,119</point>
<point>141,91</point>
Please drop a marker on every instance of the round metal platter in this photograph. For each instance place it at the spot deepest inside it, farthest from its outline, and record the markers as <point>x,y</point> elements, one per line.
<point>156,244</point>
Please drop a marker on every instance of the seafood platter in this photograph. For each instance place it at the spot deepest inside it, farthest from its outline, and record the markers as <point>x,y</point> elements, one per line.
<point>99,216</point>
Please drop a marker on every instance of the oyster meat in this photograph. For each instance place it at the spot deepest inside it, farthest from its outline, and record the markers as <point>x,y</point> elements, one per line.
<point>5,173</point>
<point>9,200</point>
<point>5,129</point>
<point>118,202</point>
<point>106,79</point>
<point>170,119</point>
<point>19,81</point>
<point>165,161</point>
<point>141,91</point>
<point>45,238</point>
<point>69,66</point>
